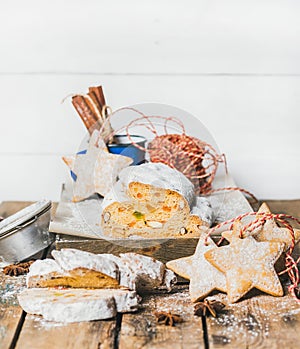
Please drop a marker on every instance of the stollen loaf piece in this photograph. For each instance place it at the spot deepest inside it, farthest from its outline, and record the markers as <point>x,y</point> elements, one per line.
<point>75,305</point>
<point>156,174</point>
<point>79,269</point>
<point>147,272</point>
<point>151,212</point>
<point>202,208</point>
<point>70,259</point>
<point>74,268</point>
<point>161,176</point>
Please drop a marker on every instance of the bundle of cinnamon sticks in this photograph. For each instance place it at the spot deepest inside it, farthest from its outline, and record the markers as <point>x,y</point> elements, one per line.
<point>92,111</point>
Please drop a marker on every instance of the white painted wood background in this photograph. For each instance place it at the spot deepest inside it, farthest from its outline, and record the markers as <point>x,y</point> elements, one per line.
<point>234,64</point>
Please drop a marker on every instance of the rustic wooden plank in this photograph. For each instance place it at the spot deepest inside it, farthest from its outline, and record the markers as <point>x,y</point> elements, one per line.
<point>261,321</point>
<point>10,312</point>
<point>38,333</point>
<point>9,320</point>
<point>7,208</point>
<point>163,250</point>
<point>83,218</point>
<point>291,207</point>
<point>140,330</point>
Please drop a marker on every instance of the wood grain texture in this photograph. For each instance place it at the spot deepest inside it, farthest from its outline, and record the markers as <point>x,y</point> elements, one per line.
<point>257,322</point>
<point>290,207</point>
<point>9,320</point>
<point>10,311</point>
<point>37,334</point>
<point>141,330</point>
<point>8,208</point>
<point>163,250</point>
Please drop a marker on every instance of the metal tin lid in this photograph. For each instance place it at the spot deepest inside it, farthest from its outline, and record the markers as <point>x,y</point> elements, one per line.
<point>21,218</point>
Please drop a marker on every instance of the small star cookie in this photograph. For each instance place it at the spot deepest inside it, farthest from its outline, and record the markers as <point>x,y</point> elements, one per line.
<point>269,231</point>
<point>97,170</point>
<point>204,277</point>
<point>246,264</point>
<point>235,232</point>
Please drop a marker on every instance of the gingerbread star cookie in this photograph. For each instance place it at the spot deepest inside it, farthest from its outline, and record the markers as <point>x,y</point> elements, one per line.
<point>269,231</point>
<point>97,170</point>
<point>204,277</point>
<point>246,264</point>
<point>235,232</point>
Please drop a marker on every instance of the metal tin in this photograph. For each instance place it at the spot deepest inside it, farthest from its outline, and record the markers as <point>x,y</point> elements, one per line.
<point>25,233</point>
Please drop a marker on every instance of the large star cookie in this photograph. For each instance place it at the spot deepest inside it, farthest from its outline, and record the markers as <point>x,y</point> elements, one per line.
<point>269,231</point>
<point>204,277</point>
<point>97,170</point>
<point>246,264</point>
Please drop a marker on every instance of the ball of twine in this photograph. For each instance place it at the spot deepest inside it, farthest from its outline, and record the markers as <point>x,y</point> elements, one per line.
<point>196,159</point>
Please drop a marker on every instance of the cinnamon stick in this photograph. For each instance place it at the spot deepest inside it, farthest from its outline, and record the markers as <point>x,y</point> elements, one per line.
<point>97,91</point>
<point>85,113</point>
<point>94,98</point>
<point>89,107</point>
<point>97,95</point>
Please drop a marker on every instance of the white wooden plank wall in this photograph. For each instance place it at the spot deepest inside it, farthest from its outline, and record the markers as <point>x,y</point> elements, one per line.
<point>234,64</point>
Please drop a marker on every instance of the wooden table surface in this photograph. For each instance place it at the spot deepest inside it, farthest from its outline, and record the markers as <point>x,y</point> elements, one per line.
<point>259,321</point>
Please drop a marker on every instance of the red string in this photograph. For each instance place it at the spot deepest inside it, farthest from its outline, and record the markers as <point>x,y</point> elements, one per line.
<point>187,154</point>
<point>179,151</point>
<point>291,265</point>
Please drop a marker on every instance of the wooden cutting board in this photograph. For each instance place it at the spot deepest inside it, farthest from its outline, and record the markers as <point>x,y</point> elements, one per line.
<point>78,225</point>
<point>83,218</point>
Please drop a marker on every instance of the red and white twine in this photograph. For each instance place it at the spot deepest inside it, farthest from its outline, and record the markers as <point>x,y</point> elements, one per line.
<point>188,155</point>
<point>196,159</point>
<point>291,264</point>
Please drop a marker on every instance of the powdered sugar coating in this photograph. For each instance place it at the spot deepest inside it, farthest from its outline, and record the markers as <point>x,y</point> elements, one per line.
<point>142,273</point>
<point>75,305</point>
<point>45,266</point>
<point>147,272</point>
<point>248,264</point>
<point>204,277</point>
<point>202,208</point>
<point>97,170</point>
<point>156,174</point>
<point>161,176</point>
<point>70,259</point>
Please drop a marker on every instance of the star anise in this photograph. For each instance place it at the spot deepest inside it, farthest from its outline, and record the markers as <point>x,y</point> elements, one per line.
<point>208,307</point>
<point>167,318</point>
<point>17,269</point>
